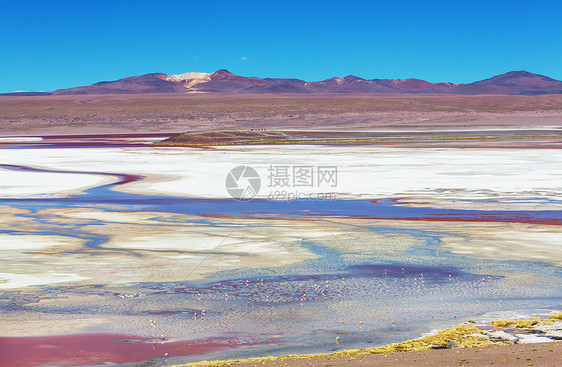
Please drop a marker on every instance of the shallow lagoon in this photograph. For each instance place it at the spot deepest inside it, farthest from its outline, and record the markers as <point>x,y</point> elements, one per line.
<point>144,241</point>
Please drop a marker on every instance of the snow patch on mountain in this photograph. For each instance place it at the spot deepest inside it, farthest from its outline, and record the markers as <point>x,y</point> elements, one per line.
<point>189,79</point>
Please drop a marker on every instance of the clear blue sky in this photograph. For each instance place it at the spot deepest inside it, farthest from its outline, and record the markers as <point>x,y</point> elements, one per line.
<point>47,45</point>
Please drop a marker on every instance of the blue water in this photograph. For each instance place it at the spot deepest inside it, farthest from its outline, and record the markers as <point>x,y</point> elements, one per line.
<point>381,209</point>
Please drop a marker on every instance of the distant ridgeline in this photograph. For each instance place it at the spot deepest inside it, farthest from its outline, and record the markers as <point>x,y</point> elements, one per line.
<point>225,82</point>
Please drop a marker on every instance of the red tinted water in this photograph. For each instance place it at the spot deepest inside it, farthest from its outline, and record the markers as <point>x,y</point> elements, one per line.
<point>88,349</point>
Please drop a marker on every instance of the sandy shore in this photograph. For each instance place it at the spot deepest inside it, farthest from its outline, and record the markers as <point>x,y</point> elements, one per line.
<point>519,342</point>
<point>468,343</point>
<point>538,354</point>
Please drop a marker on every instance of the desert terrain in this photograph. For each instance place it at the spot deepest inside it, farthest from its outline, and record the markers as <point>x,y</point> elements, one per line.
<point>80,114</point>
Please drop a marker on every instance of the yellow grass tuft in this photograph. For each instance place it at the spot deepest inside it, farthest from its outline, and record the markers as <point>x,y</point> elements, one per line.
<point>520,324</point>
<point>461,336</point>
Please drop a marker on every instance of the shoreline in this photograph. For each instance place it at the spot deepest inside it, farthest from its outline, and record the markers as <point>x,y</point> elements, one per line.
<point>537,354</point>
<point>506,138</point>
<point>466,338</point>
<point>465,344</point>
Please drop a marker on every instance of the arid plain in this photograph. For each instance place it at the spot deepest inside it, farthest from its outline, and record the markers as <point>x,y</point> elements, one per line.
<point>181,112</point>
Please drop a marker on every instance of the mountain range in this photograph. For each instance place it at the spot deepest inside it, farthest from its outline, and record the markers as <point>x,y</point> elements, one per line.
<point>223,81</point>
